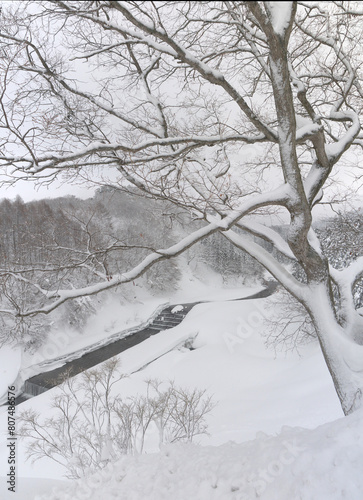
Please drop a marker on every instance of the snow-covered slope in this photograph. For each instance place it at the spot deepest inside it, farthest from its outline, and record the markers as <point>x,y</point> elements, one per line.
<point>250,452</point>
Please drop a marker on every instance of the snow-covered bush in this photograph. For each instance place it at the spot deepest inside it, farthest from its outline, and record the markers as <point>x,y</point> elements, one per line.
<point>92,425</point>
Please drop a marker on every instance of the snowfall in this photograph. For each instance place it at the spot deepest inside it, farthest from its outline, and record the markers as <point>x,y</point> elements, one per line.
<point>276,433</point>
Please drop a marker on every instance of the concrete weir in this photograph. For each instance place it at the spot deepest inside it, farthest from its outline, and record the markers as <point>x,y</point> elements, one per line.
<point>30,390</point>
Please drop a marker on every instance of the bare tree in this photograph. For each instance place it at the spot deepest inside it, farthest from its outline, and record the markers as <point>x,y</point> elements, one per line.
<point>223,108</point>
<point>78,435</point>
<point>179,413</point>
<point>92,425</point>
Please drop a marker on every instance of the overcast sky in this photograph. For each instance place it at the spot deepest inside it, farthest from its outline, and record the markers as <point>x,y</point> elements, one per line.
<point>28,191</point>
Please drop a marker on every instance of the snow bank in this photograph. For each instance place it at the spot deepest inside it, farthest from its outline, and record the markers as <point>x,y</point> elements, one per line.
<point>325,464</point>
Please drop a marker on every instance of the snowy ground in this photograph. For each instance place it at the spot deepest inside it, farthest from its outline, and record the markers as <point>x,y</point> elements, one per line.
<point>115,317</point>
<point>297,464</point>
<point>250,453</point>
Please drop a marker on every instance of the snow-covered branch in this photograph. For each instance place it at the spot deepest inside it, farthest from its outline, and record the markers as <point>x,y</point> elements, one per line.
<point>269,235</point>
<point>278,197</point>
<point>67,160</point>
<point>273,266</point>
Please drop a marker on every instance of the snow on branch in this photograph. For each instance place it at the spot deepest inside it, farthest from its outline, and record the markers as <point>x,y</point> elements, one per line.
<point>307,131</point>
<point>280,14</point>
<point>64,161</point>
<point>276,197</point>
<point>349,275</point>
<point>210,74</point>
<point>335,150</point>
<point>268,234</point>
<point>269,262</point>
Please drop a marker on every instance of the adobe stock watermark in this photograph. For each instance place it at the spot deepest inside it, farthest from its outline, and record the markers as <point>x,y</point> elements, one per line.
<point>246,327</point>
<point>262,478</point>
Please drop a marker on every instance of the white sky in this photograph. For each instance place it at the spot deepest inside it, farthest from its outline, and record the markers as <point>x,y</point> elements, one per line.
<point>30,191</point>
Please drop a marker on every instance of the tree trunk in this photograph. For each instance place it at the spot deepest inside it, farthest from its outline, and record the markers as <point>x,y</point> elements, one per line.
<point>343,356</point>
